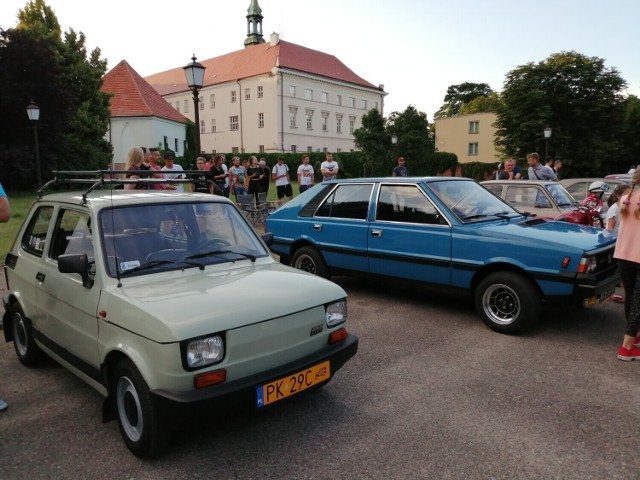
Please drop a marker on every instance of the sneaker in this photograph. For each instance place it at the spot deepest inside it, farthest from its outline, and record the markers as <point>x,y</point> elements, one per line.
<point>628,354</point>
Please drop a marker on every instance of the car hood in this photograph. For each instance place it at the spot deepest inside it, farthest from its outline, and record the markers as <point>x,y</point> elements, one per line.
<point>537,231</point>
<point>177,305</point>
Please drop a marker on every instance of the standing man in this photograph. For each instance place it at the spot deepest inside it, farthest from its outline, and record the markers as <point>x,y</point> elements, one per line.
<point>538,171</point>
<point>280,175</point>
<point>511,170</point>
<point>5,214</point>
<point>305,174</point>
<point>169,166</point>
<point>329,168</point>
<point>154,159</point>
<point>401,169</point>
<point>200,179</point>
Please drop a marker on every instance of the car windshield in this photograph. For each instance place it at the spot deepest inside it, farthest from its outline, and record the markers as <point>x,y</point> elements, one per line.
<point>560,195</point>
<point>142,239</point>
<point>469,201</point>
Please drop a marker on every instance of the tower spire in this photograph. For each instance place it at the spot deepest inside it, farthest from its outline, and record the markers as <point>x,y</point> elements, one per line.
<point>254,25</point>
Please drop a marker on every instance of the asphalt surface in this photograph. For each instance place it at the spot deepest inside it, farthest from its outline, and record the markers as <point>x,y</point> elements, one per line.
<point>432,393</point>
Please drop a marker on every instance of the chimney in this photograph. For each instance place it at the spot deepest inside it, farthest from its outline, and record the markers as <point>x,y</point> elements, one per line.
<point>275,39</point>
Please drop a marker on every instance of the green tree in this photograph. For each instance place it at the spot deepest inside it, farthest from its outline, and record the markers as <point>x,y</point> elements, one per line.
<point>415,140</point>
<point>374,142</point>
<point>578,98</point>
<point>36,63</point>
<point>630,138</point>
<point>459,95</point>
<point>489,103</point>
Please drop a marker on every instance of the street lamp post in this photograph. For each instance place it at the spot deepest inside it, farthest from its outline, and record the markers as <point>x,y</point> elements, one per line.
<point>33,112</point>
<point>195,79</point>
<point>547,136</point>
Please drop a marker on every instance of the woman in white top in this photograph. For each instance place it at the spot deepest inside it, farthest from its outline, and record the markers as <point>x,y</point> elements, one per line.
<point>613,221</point>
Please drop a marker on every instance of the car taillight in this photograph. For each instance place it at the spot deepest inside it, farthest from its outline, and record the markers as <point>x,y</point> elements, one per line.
<point>337,336</point>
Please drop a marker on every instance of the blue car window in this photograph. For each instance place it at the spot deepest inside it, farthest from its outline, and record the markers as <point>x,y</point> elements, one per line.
<point>347,201</point>
<point>406,203</point>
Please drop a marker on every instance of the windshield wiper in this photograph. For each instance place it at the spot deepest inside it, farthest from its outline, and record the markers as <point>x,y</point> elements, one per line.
<point>477,215</point>
<point>221,252</point>
<point>156,263</point>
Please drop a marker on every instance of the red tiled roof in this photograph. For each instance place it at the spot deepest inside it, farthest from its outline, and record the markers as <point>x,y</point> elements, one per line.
<point>257,60</point>
<point>134,97</point>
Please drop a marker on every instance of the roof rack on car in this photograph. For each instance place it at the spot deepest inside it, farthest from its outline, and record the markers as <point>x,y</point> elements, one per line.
<point>103,178</point>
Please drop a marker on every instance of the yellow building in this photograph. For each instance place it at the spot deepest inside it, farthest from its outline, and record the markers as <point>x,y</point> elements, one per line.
<point>469,136</point>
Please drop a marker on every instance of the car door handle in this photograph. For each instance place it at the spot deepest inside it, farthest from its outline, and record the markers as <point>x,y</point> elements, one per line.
<point>376,233</point>
<point>40,276</point>
<point>317,227</point>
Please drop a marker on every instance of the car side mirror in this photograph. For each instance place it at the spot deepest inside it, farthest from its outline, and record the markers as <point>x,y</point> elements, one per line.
<point>76,263</point>
<point>267,238</point>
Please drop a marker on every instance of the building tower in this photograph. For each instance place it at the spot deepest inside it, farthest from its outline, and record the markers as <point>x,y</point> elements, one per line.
<point>254,25</point>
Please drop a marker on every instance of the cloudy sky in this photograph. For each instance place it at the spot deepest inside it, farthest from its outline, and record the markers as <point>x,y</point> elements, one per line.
<point>415,48</point>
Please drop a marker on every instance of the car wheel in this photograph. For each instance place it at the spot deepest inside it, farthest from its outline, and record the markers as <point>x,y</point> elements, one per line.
<point>507,302</point>
<point>24,344</point>
<point>137,412</point>
<point>310,260</point>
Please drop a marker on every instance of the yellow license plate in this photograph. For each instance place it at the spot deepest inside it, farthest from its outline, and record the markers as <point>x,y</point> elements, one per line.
<point>292,384</point>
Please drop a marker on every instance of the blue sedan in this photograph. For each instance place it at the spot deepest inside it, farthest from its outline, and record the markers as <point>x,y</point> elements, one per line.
<point>446,231</point>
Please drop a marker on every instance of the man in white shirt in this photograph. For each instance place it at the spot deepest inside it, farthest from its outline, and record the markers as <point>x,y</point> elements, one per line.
<point>280,175</point>
<point>329,168</point>
<point>305,174</point>
<point>169,166</point>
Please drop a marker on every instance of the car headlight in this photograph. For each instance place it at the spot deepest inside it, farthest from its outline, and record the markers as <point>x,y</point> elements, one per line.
<point>336,313</point>
<point>204,351</point>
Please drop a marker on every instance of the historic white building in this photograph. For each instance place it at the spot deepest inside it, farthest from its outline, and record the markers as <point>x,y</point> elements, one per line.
<point>273,96</point>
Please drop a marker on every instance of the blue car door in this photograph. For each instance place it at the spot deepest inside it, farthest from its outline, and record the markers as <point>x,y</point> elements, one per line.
<point>339,227</point>
<point>409,237</point>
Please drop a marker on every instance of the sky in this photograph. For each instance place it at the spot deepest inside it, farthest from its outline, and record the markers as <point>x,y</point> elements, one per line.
<point>415,48</point>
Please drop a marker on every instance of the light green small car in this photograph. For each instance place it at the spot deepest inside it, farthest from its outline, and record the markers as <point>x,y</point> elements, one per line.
<point>158,299</point>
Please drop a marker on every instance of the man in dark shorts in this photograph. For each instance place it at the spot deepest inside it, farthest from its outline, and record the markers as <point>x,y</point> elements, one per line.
<point>280,175</point>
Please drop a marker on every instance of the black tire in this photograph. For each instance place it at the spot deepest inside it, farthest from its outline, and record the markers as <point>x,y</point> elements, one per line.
<point>137,412</point>
<point>310,260</point>
<point>24,344</point>
<point>508,302</point>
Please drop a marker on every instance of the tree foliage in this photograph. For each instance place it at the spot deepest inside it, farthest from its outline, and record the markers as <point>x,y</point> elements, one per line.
<point>574,95</point>
<point>489,103</point>
<point>374,142</point>
<point>415,138</point>
<point>36,63</point>
<point>460,95</point>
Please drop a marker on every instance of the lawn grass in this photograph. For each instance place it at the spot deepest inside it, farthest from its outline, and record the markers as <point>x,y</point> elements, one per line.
<point>21,201</point>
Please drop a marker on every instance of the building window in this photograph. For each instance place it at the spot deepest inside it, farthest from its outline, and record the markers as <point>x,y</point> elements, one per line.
<point>247,94</point>
<point>325,122</point>
<point>260,91</point>
<point>200,103</point>
<point>338,123</point>
<point>203,126</point>
<point>186,106</point>
<point>212,100</point>
<point>325,97</point>
<point>233,96</point>
<point>292,91</point>
<point>293,121</point>
<point>175,145</point>
<point>235,150</point>
<point>473,148</point>
<point>375,105</point>
<point>309,119</point>
<point>233,122</point>
<point>339,99</point>
<point>213,125</point>
<point>308,94</point>
<point>309,149</point>
<point>352,102</point>
<point>352,124</point>
<point>338,150</point>
<point>178,106</point>
<point>165,143</point>
<point>294,149</point>
<point>474,127</point>
<point>363,104</point>
<point>261,148</point>
<point>261,120</point>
